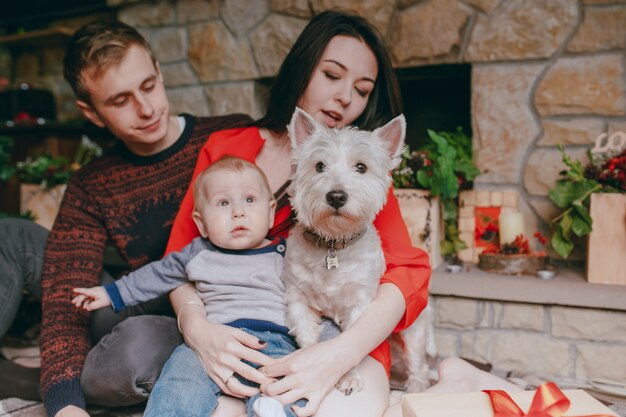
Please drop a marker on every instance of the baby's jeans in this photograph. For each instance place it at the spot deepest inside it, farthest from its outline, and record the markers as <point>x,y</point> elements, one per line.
<point>185,389</point>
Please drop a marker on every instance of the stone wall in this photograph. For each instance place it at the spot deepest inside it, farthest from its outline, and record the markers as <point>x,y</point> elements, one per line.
<point>552,342</point>
<point>543,72</point>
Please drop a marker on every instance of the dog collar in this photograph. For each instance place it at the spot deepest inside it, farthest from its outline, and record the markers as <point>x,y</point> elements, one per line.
<point>332,260</point>
<point>322,242</point>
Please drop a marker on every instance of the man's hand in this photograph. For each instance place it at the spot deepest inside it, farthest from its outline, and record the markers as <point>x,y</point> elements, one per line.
<point>91,298</point>
<point>71,411</point>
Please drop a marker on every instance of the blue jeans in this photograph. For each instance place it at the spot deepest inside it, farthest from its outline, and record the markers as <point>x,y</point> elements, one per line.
<point>185,389</point>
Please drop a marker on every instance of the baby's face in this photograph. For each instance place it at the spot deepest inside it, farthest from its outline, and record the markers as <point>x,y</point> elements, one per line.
<point>235,210</point>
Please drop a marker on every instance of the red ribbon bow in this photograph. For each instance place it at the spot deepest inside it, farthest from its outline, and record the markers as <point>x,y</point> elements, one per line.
<point>548,401</point>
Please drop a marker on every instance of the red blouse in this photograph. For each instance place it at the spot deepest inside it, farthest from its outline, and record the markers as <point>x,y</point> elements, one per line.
<point>407,267</point>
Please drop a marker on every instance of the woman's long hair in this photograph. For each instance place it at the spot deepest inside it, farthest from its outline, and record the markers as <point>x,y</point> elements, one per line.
<point>295,72</point>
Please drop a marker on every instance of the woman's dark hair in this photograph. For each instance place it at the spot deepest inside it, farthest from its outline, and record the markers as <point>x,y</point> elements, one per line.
<point>296,70</point>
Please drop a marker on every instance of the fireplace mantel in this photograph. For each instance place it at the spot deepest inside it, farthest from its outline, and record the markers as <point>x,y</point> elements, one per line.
<point>568,288</point>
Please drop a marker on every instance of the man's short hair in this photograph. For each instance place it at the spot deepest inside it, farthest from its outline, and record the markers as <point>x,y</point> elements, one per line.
<point>97,46</point>
<point>233,164</point>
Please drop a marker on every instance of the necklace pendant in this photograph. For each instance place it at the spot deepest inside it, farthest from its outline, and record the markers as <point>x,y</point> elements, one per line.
<point>332,262</point>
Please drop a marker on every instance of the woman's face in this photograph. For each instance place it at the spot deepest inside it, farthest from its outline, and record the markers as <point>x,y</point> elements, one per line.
<point>341,84</point>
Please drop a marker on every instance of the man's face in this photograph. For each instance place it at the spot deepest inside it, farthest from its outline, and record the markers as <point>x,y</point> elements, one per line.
<point>129,99</point>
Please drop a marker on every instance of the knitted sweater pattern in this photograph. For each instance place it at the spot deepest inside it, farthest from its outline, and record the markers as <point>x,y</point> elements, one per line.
<point>129,202</point>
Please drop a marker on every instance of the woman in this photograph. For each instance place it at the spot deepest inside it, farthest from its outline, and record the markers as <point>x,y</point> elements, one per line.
<point>339,72</point>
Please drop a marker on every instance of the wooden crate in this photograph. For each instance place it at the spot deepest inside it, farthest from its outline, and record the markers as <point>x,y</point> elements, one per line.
<point>421,214</point>
<point>606,251</point>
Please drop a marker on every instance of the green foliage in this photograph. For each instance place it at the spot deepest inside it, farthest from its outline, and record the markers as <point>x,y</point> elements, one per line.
<point>444,166</point>
<point>50,171</point>
<point>45,170</point>
<point>28,215</point>
<point>452,166</point>
<point>572,192</point>
<point>6,169</point>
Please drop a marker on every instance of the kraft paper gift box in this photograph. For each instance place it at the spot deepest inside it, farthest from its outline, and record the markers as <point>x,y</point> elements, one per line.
<point>555,403</point>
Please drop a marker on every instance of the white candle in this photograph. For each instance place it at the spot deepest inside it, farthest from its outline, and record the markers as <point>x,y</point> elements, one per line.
<point>511,225</point>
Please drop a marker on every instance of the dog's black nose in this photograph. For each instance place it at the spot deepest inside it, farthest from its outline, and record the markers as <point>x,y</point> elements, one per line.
<point>336,198</point>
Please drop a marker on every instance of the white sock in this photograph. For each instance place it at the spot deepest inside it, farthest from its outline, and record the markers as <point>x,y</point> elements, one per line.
<point>268,407</point>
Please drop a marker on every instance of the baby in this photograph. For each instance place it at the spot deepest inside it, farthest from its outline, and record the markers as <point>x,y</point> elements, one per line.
<point>237,274</point>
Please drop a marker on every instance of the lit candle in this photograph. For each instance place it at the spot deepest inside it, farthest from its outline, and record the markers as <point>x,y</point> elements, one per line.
<point>511,225</point>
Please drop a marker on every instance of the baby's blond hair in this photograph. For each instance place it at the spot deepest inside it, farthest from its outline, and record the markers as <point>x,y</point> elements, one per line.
<point>228,163</point>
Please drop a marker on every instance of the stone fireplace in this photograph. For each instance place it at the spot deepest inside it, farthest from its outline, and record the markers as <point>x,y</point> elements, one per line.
<point>538,72</point>
<point>542,73</point>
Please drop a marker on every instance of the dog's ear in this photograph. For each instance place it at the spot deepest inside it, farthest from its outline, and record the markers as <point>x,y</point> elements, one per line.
<point>392,135</point>
<point>301,127</point>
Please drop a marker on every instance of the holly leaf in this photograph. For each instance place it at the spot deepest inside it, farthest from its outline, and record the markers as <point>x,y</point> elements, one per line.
<point>423,179</point>
<point>443,176</point>
<point>447,247</point>
<point>562,245</point>
<point>565,226</point>
<point>567,193</point>
<point>467,168</point>
<point>580,227</point>
<point>6,172</point>
<point>581,219</point>
<point>563,193</point>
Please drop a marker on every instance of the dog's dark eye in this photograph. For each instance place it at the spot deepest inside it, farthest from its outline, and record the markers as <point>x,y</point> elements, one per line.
<point>320,167</point>
<point>361,168</point>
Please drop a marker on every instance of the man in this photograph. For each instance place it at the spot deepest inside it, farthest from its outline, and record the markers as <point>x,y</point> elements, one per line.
<point>127,198</point>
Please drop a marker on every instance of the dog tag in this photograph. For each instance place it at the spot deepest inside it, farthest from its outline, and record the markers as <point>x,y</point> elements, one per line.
<point>332,261</point>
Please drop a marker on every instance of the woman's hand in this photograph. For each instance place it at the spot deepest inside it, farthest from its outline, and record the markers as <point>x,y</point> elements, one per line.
<point>221,349</point>
<point>71,411</point>
<point>310,373</point>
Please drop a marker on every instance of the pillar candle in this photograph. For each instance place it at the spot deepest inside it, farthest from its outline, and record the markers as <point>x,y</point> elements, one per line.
<point>511,225</point>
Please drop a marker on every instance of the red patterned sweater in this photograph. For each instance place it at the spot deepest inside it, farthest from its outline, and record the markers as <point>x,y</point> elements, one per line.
<point>121,199</point>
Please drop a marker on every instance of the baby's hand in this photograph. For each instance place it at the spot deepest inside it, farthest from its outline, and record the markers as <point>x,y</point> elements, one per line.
<point>91,298</point>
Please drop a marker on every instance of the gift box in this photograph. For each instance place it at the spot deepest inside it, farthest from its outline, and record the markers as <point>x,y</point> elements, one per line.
<point>546,401</point>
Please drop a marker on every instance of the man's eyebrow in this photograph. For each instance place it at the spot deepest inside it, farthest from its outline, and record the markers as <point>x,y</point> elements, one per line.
<point>345,68</point>
<point>114,97</point>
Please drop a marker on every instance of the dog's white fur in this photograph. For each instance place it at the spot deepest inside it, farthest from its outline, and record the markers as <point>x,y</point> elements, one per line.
<point>357,163</point>
<point>414,353</point>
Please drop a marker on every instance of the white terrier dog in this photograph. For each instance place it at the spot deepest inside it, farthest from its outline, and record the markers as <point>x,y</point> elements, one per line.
<point>334,259</point>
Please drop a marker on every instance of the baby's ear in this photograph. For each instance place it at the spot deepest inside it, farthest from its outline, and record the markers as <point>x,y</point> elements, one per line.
<point>272,212</point>
<point>392,135</point>
<point>199,221</point>
<point>301,127</point>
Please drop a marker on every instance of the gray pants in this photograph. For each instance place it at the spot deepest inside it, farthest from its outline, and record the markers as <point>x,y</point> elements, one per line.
<point>22,244</point>
<point>130,347</point>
